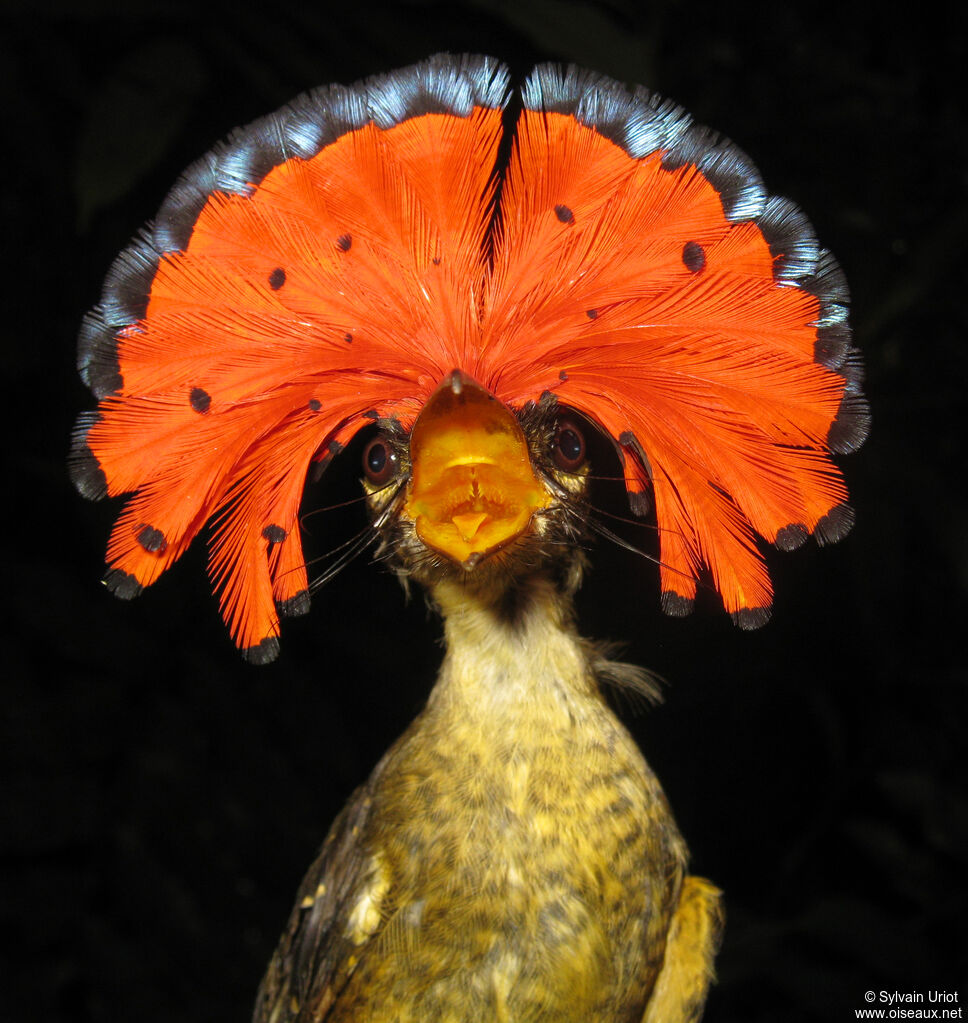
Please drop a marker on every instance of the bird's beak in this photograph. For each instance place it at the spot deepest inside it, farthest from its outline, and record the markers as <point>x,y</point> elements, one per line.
<point>472,488</point>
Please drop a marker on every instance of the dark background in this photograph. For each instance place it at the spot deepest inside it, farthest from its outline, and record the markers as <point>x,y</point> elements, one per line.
<point>161,799</point>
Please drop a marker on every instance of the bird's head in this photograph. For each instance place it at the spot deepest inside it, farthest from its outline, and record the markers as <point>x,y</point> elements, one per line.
<point>329,265</point>
<point>478,493</point>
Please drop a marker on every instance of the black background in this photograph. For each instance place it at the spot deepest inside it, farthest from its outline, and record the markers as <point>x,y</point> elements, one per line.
<point>160,799</point>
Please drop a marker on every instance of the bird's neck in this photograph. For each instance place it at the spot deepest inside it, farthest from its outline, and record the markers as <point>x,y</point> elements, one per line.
<point>506,653</point>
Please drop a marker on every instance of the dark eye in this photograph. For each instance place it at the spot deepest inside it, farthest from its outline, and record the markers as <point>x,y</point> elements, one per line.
<point>569,446</point>
<point>379,461</point>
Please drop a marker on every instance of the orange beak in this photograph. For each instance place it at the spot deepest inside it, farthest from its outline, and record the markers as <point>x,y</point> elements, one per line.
<point>472,488</point>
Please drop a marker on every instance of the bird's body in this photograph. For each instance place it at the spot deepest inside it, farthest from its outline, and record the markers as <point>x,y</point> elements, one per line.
<point>511,858</point>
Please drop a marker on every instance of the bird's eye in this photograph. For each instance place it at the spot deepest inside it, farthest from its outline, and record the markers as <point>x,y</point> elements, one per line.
<point>379,461</point>
<point>569,446</point>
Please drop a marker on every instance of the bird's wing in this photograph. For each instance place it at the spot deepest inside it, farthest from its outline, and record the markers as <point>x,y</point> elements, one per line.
<point>338,910</point>
<point>691,945</point>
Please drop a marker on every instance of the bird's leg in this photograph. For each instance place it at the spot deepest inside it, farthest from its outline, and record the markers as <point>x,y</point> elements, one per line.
<point>680,989</point>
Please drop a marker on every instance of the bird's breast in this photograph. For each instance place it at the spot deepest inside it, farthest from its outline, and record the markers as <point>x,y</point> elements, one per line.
<point>524,861</point>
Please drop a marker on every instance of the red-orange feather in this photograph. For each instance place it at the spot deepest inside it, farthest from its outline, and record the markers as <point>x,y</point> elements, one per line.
<point>349,281</point>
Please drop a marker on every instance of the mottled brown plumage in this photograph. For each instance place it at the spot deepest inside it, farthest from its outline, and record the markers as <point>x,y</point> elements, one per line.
<point>512,857</point>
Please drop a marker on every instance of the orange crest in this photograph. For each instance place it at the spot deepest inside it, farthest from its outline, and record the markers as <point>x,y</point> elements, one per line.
<point>336,260</point>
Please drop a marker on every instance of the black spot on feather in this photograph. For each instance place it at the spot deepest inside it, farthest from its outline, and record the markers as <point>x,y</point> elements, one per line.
<point>295,606</point>
<point>835,525</point>
<point>200,400</point>
<point>693,256</point>
<point>790,537</point>
<point>122,584</point>
<point>153,540</point>
<point>750,618</point>
<point>640,503</point>
<point>263,652</point>
<point>675,605</point>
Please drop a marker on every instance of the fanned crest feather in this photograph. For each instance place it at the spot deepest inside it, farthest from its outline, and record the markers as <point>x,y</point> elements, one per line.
<point>337,259</point>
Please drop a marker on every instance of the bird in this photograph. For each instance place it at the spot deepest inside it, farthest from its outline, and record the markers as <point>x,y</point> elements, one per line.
<point>481,277</point>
